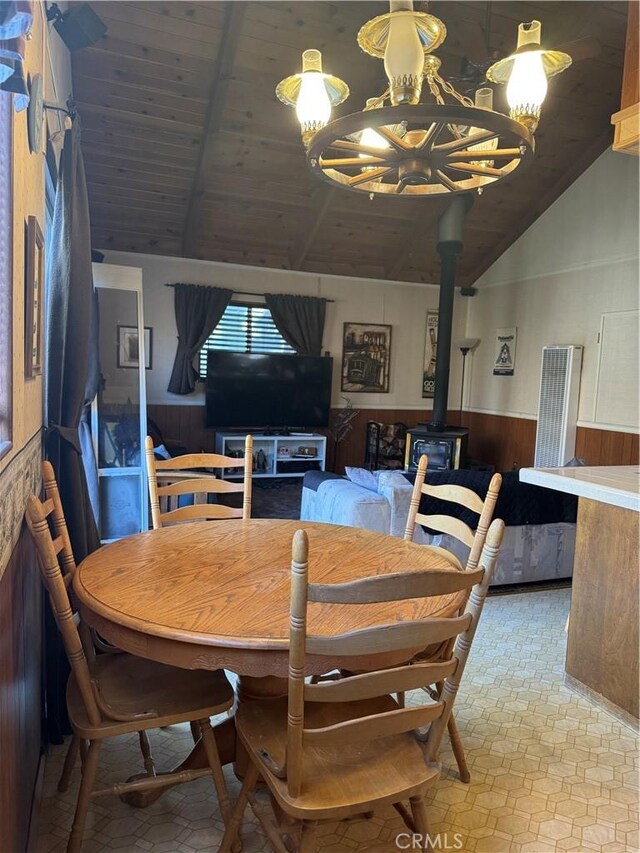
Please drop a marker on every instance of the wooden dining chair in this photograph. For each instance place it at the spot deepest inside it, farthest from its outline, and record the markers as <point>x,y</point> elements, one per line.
<point>461,496</point>
<point>473,539</point>
<point>114,694</point>
<point>200,486</point>
<point>337,749</point>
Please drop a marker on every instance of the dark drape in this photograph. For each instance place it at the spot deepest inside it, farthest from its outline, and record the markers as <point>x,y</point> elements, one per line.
<point>72,372</point>
<point>198,311</point>
<point>300,321</point>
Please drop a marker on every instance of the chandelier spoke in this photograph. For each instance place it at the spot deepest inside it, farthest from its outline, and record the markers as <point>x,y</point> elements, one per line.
<point>431,135</point>
<point>446,181</point>
<point>495,154</point>
<point>342,162</point>
<point>372,175</point>
<point>394,140</point>
<point>477,169</point>
<point>465,142</point>
<point>357,148</point>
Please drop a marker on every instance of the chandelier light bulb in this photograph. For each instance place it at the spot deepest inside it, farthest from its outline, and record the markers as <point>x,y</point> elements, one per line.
<point>527,86</point>
<point>313,106</point>
<point>404,54</point>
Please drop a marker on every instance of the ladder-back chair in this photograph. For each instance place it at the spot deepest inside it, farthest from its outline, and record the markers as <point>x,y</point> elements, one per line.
<point>110,695</point>
<point>336,749</point>
<point>462,496</point>
<point>473,539</point>
<point>198,486</point>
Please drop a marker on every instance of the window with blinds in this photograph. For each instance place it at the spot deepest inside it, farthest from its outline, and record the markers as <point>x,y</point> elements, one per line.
<point>6,276</point>
<point>244,328</point>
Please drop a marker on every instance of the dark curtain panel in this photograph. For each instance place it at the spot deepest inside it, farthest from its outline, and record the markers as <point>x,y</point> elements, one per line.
<point>198,311</point>
<point>300,321</point>
<point>72,372</point>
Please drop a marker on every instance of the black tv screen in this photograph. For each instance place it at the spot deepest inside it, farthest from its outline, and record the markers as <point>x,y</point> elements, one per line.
<point>253,390</point>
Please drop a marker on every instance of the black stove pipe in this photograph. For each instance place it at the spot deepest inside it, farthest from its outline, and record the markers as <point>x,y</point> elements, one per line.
<point>450,232</point>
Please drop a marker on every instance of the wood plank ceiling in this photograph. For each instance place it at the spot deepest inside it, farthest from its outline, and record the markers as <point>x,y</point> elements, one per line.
<point>188,151</point>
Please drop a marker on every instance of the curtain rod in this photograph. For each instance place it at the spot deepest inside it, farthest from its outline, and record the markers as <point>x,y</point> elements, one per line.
<point>253,293</point>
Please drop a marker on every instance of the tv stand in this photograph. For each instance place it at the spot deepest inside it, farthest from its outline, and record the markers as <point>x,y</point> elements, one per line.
<point>275,455</point>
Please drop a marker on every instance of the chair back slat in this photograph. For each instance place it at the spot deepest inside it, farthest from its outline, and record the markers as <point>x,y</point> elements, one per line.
<point>373,727</point>
<point>408,636</point>
<point>199,460</point>
<point>389,638</point>
<point>60,604</point>
<point>448,524</point>
<point>204,512</point>
<point>455,494</point>
<point>371,684</point>
<point>462,496</point>
<point>393,587</point>
<point>210,485</point>
<point>187,482</point>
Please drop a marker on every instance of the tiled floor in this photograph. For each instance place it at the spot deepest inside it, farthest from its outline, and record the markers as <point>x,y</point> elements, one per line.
<point>549,771</point>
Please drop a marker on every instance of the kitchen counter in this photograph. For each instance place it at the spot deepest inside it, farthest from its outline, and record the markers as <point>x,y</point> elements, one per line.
<point>603,636</point>
<point>617,485</point>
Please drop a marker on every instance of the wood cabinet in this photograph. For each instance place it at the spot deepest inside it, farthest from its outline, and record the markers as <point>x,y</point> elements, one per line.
<point>627,121</point>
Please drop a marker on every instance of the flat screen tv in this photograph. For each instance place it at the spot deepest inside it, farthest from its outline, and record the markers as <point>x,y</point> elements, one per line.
<point>258,391</point>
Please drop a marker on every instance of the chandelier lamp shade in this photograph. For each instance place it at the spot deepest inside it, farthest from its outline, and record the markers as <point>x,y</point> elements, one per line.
<point>420,137</point>
<point>526,72</point>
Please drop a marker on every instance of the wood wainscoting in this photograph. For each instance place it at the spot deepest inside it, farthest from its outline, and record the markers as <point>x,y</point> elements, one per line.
<point>506,442</point>
<point>20,692</point>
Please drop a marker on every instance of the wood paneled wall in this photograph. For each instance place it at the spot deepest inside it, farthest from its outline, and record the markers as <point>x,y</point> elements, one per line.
<point>504,442</point>
<point>20,692</point>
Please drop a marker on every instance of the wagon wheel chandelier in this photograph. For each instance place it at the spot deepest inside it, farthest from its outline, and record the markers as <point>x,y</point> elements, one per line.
<point>402,145</point>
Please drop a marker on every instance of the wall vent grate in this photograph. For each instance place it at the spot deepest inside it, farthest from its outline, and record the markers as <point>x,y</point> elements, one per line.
<point>558,406</point>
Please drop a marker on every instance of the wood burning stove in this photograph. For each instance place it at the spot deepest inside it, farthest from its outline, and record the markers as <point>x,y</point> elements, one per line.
<point>446,449</point>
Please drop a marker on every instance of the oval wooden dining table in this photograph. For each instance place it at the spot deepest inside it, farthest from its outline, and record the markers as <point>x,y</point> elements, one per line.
<point>216,595</point>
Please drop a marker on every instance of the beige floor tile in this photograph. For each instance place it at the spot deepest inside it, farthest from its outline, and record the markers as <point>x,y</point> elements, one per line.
<point>550,772</point>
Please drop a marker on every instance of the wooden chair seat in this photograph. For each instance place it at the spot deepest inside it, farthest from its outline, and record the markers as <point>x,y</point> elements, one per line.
<point>337,780</point>
<point>129,685</point>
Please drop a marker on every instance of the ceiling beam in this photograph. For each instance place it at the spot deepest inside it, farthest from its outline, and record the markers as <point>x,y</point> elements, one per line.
<point>579,165</point>
<point>300,250</point>
<point>229,39</point>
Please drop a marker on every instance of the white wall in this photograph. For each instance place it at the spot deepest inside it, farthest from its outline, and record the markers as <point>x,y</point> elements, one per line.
<point>402,305</point>
<point>578,261</point>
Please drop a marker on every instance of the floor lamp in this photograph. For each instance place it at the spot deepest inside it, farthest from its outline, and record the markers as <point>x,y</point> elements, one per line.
<point>465,346</point>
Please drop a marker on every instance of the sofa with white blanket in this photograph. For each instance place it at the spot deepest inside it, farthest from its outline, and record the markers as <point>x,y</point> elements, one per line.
<point>539,539</point>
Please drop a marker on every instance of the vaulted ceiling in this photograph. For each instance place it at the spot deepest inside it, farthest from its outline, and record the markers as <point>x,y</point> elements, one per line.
<point>188,151</point>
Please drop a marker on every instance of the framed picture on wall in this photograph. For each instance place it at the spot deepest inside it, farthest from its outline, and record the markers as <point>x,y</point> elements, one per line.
<point>34,299</point>
<point>430,355</point>
<point>366,358</point>
<point>129,349</point>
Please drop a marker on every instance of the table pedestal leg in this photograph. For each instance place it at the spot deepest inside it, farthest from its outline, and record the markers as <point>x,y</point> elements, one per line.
<point>249,689</point>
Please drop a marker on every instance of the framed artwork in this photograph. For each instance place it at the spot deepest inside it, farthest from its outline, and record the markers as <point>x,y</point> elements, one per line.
<point>128,347</point>
<point>430,355</point>
<point>505,360</point>
<point>34,299</point>
<point>366,358</point>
